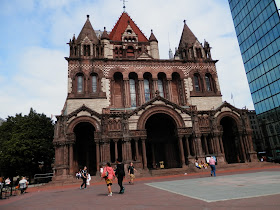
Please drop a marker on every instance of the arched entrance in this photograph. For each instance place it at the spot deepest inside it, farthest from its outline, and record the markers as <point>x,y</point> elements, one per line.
<point>162,141</point>
<point>84,147</point>
<point>231,140</point>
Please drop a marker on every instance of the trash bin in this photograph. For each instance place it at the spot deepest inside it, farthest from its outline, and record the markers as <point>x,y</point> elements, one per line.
<point>161,164</point>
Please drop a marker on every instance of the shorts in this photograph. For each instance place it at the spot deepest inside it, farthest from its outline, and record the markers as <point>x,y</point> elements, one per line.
<point>132,176</point>
<point>108,182</point>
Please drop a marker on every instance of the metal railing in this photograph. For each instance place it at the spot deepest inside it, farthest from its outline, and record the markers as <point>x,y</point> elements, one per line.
<point>43,178</point>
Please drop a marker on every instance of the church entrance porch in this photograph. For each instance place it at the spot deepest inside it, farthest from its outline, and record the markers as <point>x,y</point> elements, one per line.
<point>231,141</point>
<point>162,142</point>
<point>84,148</point>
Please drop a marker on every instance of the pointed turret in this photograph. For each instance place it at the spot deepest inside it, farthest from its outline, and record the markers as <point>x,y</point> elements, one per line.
<point>187,38</point>
<point>189,47</point>
<point>88,31</point>
<point>105,35</point>
<point>154,46</point>
<point>152,37</point>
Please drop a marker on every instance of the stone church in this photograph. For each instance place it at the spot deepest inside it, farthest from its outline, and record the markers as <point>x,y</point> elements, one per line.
<point>124,102</point>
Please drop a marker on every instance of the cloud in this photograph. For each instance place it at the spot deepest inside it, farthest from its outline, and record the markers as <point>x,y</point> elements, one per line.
<point>41,83</point>
<point>37,33</point>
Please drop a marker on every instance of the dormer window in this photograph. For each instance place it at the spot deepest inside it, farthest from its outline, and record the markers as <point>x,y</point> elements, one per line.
<point>86,50</point>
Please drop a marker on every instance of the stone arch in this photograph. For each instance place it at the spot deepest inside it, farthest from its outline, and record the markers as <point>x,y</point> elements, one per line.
<point>232,115</point>
<point>179,71</point>
<point>160,109</point>
<point>97,71</point>
<point>231,137</point>
<point>115,70</point>
<point>77,120</point>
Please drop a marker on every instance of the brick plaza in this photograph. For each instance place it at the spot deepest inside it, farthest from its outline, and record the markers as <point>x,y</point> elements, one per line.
<point>257,188</point>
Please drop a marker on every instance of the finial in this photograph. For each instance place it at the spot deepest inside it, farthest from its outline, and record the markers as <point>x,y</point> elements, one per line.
<point>124,5</point>
<point>184,21</point>
<point>151,31</point>
<point>128,22</point>
<point>87,16</point>
<point>104,28</point>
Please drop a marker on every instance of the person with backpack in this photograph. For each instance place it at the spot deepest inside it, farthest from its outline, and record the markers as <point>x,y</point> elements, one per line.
<point>120,173</point>
<point>108,174</point>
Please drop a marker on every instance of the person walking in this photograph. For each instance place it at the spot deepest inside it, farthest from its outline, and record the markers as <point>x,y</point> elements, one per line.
<point>120,174</point>
<point>131,170</point>
<point>84,178</point>
<point>108,174</point>
<point>212,163</point>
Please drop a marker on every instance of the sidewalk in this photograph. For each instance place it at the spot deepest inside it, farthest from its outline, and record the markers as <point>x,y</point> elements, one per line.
<point>143,196</point>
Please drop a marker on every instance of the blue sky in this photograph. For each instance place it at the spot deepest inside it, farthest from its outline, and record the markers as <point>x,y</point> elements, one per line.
<point>33,71</point>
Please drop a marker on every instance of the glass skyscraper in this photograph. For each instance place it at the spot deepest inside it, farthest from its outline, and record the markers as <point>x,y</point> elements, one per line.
<point>257,26</point>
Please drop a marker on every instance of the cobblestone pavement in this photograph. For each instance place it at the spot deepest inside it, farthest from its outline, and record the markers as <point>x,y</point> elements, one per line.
<point>239,189</point>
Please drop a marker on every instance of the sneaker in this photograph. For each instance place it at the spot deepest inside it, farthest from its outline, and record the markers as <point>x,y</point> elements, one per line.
<point>81,188</point>
<point>110,194</point>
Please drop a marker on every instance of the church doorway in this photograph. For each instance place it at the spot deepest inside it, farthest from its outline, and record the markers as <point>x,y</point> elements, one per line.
<point>231,141</point>
<point>162,143</point>
<point>84,148</point>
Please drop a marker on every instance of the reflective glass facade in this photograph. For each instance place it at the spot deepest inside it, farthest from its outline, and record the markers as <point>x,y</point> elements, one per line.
<point>257,26</point>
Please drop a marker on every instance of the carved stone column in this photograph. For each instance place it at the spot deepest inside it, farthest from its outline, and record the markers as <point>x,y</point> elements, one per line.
<point>242,148</point>
<point>97,155</point>
<point>141,92</point>
<point>144,153</point>
<point>183,161</point>
<point>71,159</point>
<point>169,90</point>
<point>136,149</point>
<point>126,93</point>
<point>116,149</point>
<point>188,146</point>
<point>198,145</point>
<point>155,87</point>
<point>112,92</point>
<point>221,143</point>
<point>206,145</point>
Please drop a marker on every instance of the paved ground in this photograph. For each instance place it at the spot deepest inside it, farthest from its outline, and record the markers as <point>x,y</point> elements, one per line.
<point>240,189</point>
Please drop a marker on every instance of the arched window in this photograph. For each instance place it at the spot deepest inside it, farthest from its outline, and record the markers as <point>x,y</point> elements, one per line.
<point>197,82</point>
<point>133,84</point>
<point>132,92</point>
<point>162,84</point>
<point>94,83</point>
<point>198,53</point>
<point>80,85</point>
<point>147,86</point>
<point>208,81</point>
<point>147,90</point>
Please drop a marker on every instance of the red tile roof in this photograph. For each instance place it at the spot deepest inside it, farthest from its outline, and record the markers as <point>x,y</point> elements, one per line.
<point>121,25</point>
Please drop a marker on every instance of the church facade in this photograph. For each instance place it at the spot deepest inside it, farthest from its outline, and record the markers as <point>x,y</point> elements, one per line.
<point>124,102</point>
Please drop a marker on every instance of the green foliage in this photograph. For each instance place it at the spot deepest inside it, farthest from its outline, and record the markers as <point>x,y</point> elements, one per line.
<point>25,141</point>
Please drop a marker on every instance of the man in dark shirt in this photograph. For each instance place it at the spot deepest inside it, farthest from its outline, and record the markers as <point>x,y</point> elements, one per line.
<point>84,178</point>
<point>120,174</point>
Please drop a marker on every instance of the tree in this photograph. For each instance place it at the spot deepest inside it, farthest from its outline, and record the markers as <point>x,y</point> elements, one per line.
<point>26,143</point>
